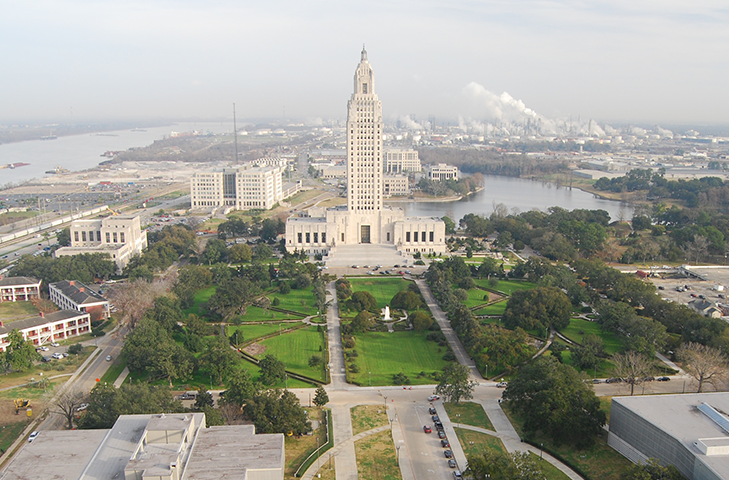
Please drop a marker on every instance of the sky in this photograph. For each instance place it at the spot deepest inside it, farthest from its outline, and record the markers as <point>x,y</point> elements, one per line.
<point>651,61</point>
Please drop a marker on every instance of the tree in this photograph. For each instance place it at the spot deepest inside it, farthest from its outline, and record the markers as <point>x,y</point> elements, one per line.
<point>275,412</point>
<point>64,237</point>
<point>217,358</point>
<point>272,370</point>
<point>19,355</point>
<point>320,397</point>
<point>135,298</point>
<point>232,297</point>
<point>552,398</point>
<point>171,361</point>
<point>705,364</point>
<point>240,253</point>
<point>166,312</point>
<point>362,300</point>
<point>362,322</point>
<point>203,399</point>
<point>241,388</point>
<point>405,300</point>
<point>450,225</point>
<point>538,308</point>
<point>421,321</point>
<point>494,465</point>
<point>652,470</point>
<point>67,403</point>
<point>632,368</point>
<point>588,354</point>
<point>455,383</point>
<point>215,251</point>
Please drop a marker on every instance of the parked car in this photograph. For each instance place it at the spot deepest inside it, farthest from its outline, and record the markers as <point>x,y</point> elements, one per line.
<point>613,380</point>
<point>82,407</point>
<point>188,396</point>
<point>433,398</point>
<point>441,434</point>
<point>663,379</point>
<point>444,443</point>
<point>448,454</point>
<point>435,418</point>
<point>451,463</point>
<point>457,475</point>
<point>431,410</point>
<point>502,385</point>
<point>55,344</point>
<point>596,380</point>
<point>427,429</point>
<point>57,356</point>
<point>32,436</point>
<point>438,426</point>
<point>108,358</point>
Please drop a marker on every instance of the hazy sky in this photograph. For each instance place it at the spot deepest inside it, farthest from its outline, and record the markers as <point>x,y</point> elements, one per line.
<point>611,60</point>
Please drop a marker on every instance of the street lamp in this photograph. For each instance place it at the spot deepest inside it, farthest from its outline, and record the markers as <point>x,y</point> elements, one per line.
<point>398,455</point>
<point>458,421</point>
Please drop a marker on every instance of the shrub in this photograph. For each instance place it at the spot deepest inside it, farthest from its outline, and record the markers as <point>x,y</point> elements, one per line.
<point>75,349</point>
<point>449,356</point>
<point>400,379</point>
<point>354,368</point>
<point>315,361</point>
<point>284,288</point>
<point>276,302</point>
<point>349,342</point>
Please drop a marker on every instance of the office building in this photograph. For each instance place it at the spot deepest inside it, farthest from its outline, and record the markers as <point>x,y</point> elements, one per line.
<point>47,327</point>
<point>74,295</point>
<point>442,171</point>
<point>402,161</point>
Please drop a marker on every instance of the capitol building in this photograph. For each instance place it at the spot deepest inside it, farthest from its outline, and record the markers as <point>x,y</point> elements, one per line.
<point>364,224</point>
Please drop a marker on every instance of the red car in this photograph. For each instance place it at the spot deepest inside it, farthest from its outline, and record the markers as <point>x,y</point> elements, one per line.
<point>427,429</point>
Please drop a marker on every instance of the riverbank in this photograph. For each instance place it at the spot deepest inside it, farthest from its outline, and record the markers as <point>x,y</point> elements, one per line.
<point>430,199</point>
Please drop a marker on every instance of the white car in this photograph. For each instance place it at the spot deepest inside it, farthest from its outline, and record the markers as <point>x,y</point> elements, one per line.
<point>57,356</point>
<point>55,344</point>
<point>433,398</point>
<point>32,436</point>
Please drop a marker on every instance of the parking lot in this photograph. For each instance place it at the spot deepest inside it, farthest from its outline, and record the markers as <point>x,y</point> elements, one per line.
<point>680,289</point>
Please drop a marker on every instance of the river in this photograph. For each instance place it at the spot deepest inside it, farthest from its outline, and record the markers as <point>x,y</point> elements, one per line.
<point>81,152</point>
<point>517,194</point>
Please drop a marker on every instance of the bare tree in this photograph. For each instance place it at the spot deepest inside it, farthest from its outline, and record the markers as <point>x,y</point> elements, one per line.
<point>134,299</point>
<point>705,364</point>
<point>698,248</point>
<point>67,403</point>
<point>632,367</point>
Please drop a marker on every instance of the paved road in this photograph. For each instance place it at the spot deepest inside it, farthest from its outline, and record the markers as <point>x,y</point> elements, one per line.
<point>445,327</point>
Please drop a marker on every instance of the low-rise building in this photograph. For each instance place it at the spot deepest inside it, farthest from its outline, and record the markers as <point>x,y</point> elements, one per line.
<point>74,295</point>
<point>688,431</point>
<point>395,185</point>
<point>401,160</point>
<point>47,327</point>
<point>120,237</point>
<point>243,188</point>
<point>442,171</point>
<point>705,308</point>
<point>159,447</point>
<point>19,289</point>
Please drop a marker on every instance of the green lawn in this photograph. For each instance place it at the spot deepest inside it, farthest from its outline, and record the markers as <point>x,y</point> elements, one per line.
<point>367,417</point>
<point>376,457</point>
<point>293,301</point>
<point>604,368</point>
<point>506,286</point>
<point>383,289</point>
<point>296,348</point>
<point>257,314</point>
<point>599,461</point>
<point>475,297</point>
<point>11,431</point>
<point>549,470</point>
<point>497,308</point>
<point>474,443</point>
<point>469,413</point>
<point>201,298</point>
<point>386,354</point>
<point>114,370</point>
<point>578,328</point>
<point>247,333</point>
<point>11,311</point>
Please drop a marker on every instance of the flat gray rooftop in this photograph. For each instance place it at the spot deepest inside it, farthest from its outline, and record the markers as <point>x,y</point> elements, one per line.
<point>114,454</point>
<point>55,455</point>
<point>228,452</point>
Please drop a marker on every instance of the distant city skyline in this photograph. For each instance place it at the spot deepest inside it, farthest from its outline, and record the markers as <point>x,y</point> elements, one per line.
<point>648,61</point>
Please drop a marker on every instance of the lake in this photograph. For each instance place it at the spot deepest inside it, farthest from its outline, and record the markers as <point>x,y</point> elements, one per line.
<point>518,195</point>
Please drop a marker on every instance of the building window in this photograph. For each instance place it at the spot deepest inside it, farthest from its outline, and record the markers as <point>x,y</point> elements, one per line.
<point>299,235</point>
<point>432,236</point>
<point>323,237</point>
<point>115,237</point>
<point>121,235</point>
<point>422,237</point>
<point>75,236</point>
<point>342,237</point>
<point>308,237</point>
<point>108,239</point>
<point>388,236</point>
<point>316,237</point>
<point>98,236</point>
<point>407,236</point>
<point>83,236</point>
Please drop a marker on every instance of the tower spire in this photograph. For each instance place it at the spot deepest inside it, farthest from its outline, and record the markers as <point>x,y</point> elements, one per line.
<point>364,53</point>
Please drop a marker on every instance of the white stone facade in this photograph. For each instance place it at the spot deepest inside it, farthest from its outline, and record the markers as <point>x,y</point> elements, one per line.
<point>400,161</point>
<point>442,171</point>
<point>121,237</point>
<point>242,188</point>
<point>364,220</point>
<point>396,185</point>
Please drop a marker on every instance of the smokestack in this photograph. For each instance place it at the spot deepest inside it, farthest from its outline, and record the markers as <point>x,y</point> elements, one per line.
<point>72,282</point>
<point>81,289</point>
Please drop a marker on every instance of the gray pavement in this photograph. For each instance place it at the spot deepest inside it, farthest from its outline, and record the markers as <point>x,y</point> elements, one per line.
<point>337,367</point>
<point>445,327</point>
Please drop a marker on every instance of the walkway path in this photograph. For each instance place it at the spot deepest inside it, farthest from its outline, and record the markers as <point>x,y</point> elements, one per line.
<point>445,327</point>
<point>337,371</point>
<point>510,438</point>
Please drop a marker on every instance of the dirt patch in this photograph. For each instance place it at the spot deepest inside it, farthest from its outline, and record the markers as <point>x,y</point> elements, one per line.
<point>255,349</point>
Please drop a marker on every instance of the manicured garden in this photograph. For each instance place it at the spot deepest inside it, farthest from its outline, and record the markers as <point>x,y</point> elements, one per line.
<point>386,354</point>
<point>295,349</point>
<point>247,333</point>
<point>475,443</point>
<point>301,301</point>
<point>201,298</point>
<point>497,308</point>
<point>383,289</point>
<point>506,286</point>
<point>476,297</point>
<point>578,328</point>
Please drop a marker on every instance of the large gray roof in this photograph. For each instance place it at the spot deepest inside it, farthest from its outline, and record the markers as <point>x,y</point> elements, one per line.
<point>16,281</point>
<point>36,321</point>
<point>78,292</point>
